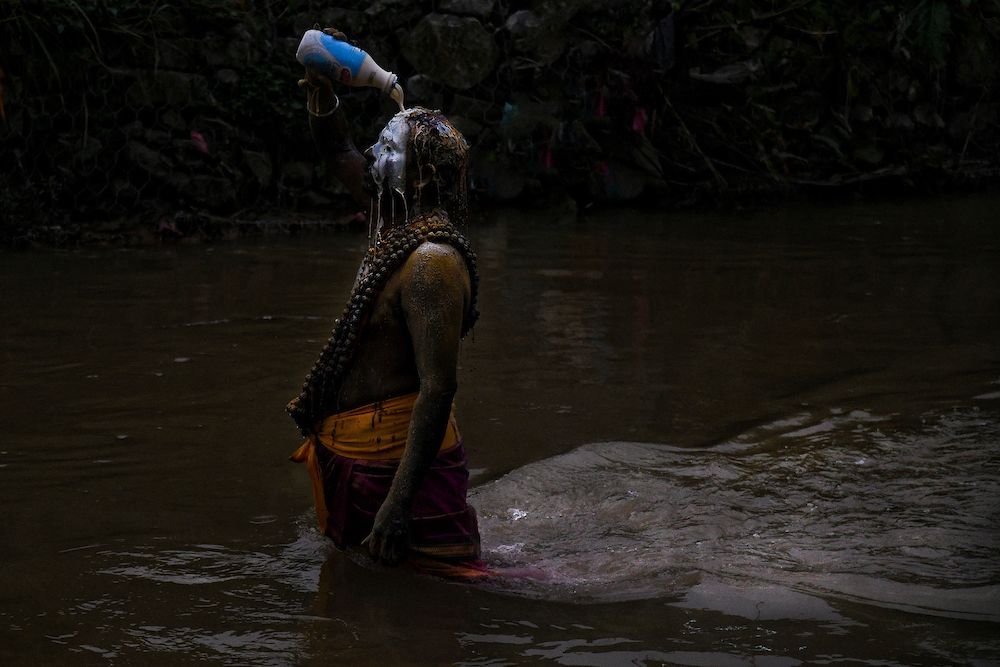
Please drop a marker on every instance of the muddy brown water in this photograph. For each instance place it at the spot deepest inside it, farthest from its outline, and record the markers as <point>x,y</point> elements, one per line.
<point>768,439</point>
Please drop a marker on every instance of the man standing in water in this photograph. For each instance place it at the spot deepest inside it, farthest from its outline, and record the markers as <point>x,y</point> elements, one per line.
<point>382,445</point>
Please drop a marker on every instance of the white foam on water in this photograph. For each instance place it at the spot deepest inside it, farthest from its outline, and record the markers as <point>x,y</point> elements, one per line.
<point>845,504</point>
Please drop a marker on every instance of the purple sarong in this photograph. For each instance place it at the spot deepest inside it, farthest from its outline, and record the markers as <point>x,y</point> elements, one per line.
<point>444,537</point>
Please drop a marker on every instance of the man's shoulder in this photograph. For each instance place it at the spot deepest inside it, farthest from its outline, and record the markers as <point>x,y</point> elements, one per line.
<point>434,261</point>
<point>434,274</point>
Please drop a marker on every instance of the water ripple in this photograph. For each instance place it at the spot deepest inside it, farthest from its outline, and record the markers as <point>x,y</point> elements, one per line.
<point>851,504</point>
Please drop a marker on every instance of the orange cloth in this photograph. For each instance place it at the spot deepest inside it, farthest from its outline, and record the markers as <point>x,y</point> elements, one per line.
<point>373,432</point>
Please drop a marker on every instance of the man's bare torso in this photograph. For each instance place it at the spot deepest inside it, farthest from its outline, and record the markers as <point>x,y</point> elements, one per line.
<point>384,365</point>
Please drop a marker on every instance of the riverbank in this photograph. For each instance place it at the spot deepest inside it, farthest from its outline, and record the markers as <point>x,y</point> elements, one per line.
<point>186,118</point>
<point>192,228</point>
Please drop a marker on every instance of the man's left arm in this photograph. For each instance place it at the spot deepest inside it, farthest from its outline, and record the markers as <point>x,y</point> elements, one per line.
<point>433,297</point>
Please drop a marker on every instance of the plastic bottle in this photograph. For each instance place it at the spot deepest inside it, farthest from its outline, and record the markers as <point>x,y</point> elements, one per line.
<point>346,63</point>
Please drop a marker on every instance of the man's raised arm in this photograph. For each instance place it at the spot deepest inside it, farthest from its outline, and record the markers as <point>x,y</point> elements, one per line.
<point>332,134</point>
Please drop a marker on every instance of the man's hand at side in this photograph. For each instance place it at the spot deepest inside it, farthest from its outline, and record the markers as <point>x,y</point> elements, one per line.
<point>390,537</point>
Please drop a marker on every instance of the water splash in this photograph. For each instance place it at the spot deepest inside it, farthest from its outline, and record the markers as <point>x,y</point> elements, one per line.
<point>846,503</point>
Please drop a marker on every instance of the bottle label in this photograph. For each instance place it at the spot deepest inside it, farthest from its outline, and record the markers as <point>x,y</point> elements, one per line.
<point>340,59</point>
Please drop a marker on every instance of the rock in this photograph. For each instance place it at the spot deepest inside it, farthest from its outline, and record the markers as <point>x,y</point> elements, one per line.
<point>523,116</point>
<point>313,199</point>
<point>478,8</point>
<point>457,51</point>
<point>466,126</point>
<point>297,174</point>
<point>586,52</point>
<point>391,14</point>
<point>178,53</point>
<point>351,22</point>
<point>420,89</point>
<point>124,192</point>
<point>535,37</point>
<point>497,178</point>
<point>166,88</point>
<point>212,49</point>
<point>157,138</point>
<point>566,10</point>
<point>173,120</point>
<point>862,113</point>
<point>523,23</point>
<point>90,150</point>
<point>234,51</point>
<point>622,182</point>
<point>179,181</point>
<point>148,160</point>
<point>146,91</point>
<point>259,165</point>
<point>901,121</point>
<point>476,109</point>
<point>133,130</point>
<point>212,191</point>
<point>925,114</point>
<point>242,47</point>
<point>227,77</point>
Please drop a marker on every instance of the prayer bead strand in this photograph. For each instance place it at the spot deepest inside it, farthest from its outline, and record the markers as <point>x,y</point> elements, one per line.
<point>382,260</point>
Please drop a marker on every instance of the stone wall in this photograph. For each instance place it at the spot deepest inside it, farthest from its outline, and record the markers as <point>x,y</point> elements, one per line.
<point>109,110</point>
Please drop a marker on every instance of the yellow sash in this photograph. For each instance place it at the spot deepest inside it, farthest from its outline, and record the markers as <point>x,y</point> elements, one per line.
<point>374,432</point>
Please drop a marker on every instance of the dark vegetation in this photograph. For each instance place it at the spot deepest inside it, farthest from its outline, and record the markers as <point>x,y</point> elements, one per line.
<point>173,117</point>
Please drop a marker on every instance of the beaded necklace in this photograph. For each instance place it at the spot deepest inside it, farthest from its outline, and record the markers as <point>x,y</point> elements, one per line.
<point>384,257</point>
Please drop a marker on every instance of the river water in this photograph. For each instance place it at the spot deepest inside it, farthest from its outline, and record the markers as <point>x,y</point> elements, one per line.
<point>769,438</point>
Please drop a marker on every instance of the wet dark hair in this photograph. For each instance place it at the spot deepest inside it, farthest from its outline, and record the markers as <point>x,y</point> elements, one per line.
<point>441,156</point>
